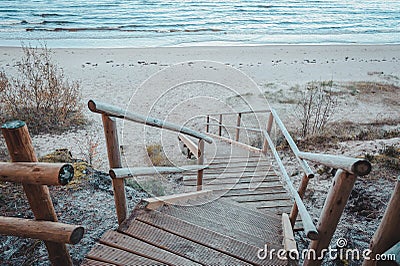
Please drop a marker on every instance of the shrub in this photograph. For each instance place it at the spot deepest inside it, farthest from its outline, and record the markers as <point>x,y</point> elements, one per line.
<point>40,94</point>
<point>157,156</point>
<point>315,108</point>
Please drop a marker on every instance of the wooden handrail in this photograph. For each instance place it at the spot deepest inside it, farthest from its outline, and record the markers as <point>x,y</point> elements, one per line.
<point>193,148</point>
<point>292,144</point>
<point>109,110</point>
<point>146,171</point>
<point>57,174</point>
<point>43,230</point>
<point>242,112</point>
<point>309,227</point>
<point>359,167</point>
<point>236,127</point>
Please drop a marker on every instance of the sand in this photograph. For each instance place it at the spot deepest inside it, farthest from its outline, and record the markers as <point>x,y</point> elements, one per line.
<point>181,84</point>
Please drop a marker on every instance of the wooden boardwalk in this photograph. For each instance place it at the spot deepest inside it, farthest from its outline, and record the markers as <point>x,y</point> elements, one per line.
<point>236,214</point>
<point>205,229</point>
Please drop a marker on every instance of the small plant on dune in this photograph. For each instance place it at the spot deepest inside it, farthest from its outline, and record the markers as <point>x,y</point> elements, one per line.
<point>315,108</point>
<point>157,156</point>
<point>40,94</point>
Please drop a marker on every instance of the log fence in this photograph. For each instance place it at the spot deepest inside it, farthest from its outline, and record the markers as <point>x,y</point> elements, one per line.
<point>35,177</point>
<point>109,114</point>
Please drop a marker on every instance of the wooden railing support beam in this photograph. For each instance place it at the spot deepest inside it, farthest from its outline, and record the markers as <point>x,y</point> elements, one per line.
<point>114,160</point>
<point>43,230</point>
<point>302,190</point>
<point>200,161</point>
<point>388,233</point>
<point>269,128</point>
<point>332,211</point>
<point>220,125</point>
<point>20,148</point>
<point>239,117</point>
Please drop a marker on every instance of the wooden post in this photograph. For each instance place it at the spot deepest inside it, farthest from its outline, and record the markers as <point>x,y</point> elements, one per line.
<point>200,161</point>
<point>269,128</point>
<point>20,148</point>
<point>388,233</point>
<point>333,208</point>
<point>43,230</point>
<point>220,125</point>
<point>238,125</point>
<point>208,124</point>
<point>114,160</point>
<point>302,190</point>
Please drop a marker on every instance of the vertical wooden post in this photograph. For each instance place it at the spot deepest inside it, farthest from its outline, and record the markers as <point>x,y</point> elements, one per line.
<point>333,208</point>
<point>269,128</point>
<point>114,160</point>
<point>20,148</point>
<point>200,161</point>
<point>208,124</point>
<point>302,190</point>
<point>238,125</point>
<point>388,232</point>
<point>220,125</point>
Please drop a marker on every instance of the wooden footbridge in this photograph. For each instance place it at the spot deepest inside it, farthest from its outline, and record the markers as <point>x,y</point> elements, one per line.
<point>239,209</point>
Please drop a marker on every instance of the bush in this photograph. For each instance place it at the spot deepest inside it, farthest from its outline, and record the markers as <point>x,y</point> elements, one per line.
<point>40,94</point>
<point>315,108</point>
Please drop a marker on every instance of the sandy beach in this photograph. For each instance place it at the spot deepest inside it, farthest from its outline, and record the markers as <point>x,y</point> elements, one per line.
<point>149,81</point>
<point>182,84</point>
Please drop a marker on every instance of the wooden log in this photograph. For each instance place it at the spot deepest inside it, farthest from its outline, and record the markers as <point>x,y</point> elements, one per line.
<point>238,126</point>
<point>309,227</point>
<point>289,243</point>
<point>152,170</point>
<point>56,174</point>
<point>109,110</point>
<point>20,148</point>
<point>114,160</point>
<point>388,233</point>
<point>43,230</point>
<point>269,128</point>
<point>200,161</point>
<point>193,149</point>
<point>220,125</point>
<point>333,208</point>
<point>302,190</point>
<point>358,167</point>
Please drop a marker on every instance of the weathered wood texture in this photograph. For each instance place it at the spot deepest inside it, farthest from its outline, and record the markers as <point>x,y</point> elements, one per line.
<point>114,160</point>
<point>388,233</point>
<point>20,148</point>
<point>109,110</point>
<point>56,174</point>
<point>43,230</point>
<point>193,149</point>
<point>200,161</point>
<point>302,190</point>
<point>153,170</point>
<point>333,208</point>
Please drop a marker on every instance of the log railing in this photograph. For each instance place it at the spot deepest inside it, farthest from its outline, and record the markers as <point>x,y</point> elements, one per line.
<point>348,170</point>
<point>35,177</point>
<point>109,113</point>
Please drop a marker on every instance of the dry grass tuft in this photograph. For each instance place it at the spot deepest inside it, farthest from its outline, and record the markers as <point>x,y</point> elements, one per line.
<point>157,156</point>
<point>40,94</point>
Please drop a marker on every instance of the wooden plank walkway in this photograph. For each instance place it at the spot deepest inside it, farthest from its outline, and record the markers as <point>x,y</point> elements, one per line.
<point>237,214</point>
<point>202,230</point>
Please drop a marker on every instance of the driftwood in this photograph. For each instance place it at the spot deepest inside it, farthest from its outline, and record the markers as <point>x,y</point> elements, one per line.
<point>43,230</point>
<point>37,173</point>
<point>20,148</point>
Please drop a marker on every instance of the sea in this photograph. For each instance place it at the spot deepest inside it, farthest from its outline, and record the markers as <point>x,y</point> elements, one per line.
<point>165,23</point>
